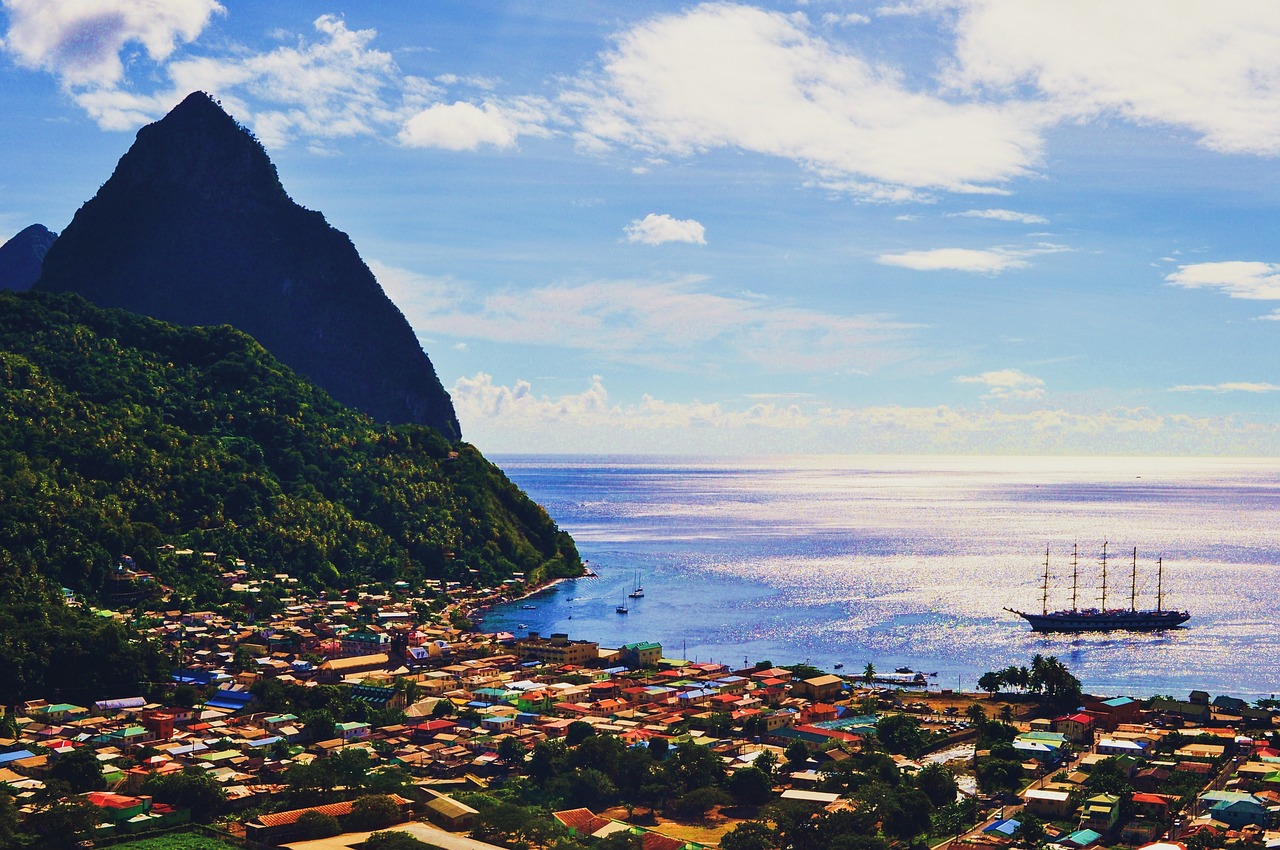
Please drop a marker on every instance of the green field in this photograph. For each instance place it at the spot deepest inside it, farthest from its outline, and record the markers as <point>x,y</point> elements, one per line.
<point>178,841</point>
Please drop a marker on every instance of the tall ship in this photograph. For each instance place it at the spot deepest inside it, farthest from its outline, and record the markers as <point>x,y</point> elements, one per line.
<point>1102,618</point>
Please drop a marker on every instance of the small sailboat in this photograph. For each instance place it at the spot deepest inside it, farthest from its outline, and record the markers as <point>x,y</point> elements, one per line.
<point>638,593</point>
<point>622,609</point>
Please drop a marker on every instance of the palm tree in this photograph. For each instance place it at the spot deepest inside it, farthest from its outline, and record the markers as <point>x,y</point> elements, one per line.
<point>869,673</point>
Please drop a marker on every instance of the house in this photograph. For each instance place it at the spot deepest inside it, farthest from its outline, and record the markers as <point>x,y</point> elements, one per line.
<point>820,688</point>
<point>1100,813</point>
<point>1048,804</point>
<point>1077,727</point>
<point>1235,808</point>
<point>644,654</point>
<point>279,827</point>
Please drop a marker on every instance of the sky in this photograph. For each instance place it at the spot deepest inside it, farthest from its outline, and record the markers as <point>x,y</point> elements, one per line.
<point>929,226</point>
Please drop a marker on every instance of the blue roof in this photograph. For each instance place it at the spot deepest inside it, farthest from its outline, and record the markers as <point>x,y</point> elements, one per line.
<point>1008,826</point>
<point>265,742</point>
<point>1083,837</point>
<point>5,758</point>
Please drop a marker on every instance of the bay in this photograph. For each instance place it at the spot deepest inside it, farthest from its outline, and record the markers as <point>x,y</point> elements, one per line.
<point>910,561</point>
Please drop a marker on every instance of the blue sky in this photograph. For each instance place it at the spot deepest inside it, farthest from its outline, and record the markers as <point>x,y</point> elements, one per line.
<point>959,226</point>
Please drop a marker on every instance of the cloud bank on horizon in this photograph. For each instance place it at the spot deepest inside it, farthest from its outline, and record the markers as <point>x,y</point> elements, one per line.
<point>1070,176</point>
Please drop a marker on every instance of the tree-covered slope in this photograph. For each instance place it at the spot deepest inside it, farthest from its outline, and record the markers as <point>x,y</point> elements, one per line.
<point>119,434</point>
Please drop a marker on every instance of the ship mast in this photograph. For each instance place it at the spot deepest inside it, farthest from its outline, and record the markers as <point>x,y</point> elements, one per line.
<point>1159,584</point>
<point>1104,575</point>
<point>1044,589</point>
<point>1075,574</point>
<point>1133,582</point>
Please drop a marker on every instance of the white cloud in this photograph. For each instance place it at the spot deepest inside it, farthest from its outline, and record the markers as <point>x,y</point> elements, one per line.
<point>80,41</point>
<point>1006,384</point>
<point>955,259</point>
<point>1228,387</point>
<point>1237,278</point>
<point>517,418</point>
<point>657,229</point>
<point>1003,215</point>
<point>465,127</point>
<point>1273,316</point>
<point>979,261</point>
<point>729,76</point>
<point>675,325</point>
<point>1211,68</point>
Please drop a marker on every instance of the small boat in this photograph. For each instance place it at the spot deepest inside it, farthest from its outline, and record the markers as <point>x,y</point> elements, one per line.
<point>522,626</point>
<point>639,591</point>
<point>839,665</point>
<point>528,607</point>
<point>622,609</point>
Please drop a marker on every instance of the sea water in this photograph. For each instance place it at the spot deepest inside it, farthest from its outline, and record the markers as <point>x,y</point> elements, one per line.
<point>910,562</point>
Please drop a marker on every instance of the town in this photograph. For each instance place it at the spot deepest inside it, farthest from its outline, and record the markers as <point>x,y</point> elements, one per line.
<point>294,717</point>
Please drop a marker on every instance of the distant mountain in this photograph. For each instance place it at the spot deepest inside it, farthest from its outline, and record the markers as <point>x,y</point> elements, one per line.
<point>195,228</point>
<point>22,256</point>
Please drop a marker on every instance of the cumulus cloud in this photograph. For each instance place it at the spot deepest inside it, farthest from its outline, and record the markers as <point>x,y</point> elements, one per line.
<point>1228,387</point>
<point>1006,384</point>
<point>656,229</point>
<point>516,417</point>
<point>1237,278</point>
<point>1213,69</point>
<point>464,126</point>
<point>80,42</point>
<point>1004,215</point>
<point>672,324</point>
<point>730,76</point>
<point>332,84</point>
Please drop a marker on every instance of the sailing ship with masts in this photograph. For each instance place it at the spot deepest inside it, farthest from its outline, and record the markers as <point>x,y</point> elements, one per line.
<point>1104,619</point>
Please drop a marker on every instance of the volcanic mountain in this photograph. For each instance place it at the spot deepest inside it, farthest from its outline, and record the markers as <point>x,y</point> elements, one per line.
<point>194,227</point>
<point>21,257</point>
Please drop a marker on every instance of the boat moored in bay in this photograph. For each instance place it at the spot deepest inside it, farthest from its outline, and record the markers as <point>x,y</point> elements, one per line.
<point>1104,619</point>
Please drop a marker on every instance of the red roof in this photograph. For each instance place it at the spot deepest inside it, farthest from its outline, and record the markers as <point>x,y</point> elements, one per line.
<point>107,800</point>
<point>583,821</point>
<point>337,810</point>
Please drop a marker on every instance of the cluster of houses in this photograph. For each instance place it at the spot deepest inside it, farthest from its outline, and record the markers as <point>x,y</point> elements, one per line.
<point>457,695</point>
<point>1223,761</point>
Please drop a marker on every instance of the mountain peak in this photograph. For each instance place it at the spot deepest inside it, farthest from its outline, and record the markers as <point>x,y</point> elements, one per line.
<point>22,256</point>
<point>194,227</point>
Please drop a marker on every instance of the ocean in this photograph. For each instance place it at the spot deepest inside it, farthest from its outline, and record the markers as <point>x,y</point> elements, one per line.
<point>910,561</point>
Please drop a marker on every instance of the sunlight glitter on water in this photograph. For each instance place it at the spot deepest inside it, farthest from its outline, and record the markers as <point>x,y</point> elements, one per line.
<point>911,560</point>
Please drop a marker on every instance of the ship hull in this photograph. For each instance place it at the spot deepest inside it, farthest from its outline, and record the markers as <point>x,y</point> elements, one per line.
<point>1104,621</point>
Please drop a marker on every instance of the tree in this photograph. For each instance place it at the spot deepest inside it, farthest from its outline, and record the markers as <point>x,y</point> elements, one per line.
<point>938,784</point>
<point>900,733</point>
<point>991,682</point>
<point>512,750</point>
<point>999,775</point>
<point>977,714</point>
<point>311,825</point>
<point>394,841</point>
<point>750,835</point>
<point>318,725</point>
<point>766,761</point>
<point>373,811</point>
<point>63,825</point>
<point>750,786</point>
<point>796,754</point>
<point>193,789</point>
<point>906,814</point>
<point>80,770</point>
<point>869,673</point>
<point>697,802</point>
<point>577,732</point>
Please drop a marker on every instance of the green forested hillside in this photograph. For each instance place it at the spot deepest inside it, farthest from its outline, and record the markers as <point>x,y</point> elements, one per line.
<point>119,434</point>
